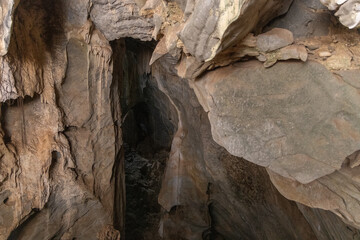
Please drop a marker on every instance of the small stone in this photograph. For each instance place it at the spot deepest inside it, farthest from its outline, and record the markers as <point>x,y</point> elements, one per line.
<point>312,47</point>
<point>325,54</point>
<point>274,39</point>
<point>261,58</point>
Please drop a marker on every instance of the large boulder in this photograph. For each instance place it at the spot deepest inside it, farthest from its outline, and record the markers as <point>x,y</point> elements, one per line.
<point>216,25</point>
<point>296,119</point>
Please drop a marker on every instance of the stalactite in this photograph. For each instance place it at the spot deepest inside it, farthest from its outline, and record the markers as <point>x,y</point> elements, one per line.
<point>23,121</point>
<point>100,89</point>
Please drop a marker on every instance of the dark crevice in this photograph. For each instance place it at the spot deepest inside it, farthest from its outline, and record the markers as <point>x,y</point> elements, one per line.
<point>70,128</point>
<point>144,167</point>
<point>211,233</point>
<point>14,235</point>
<point>6,137</point>
<point>55,156</point>
<point>119,197</point>
<point>147,135</point>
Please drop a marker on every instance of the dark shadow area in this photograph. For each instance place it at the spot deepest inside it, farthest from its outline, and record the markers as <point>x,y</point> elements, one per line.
<point>55,157</point>
<point>148,124</point>
<point>15,234</point>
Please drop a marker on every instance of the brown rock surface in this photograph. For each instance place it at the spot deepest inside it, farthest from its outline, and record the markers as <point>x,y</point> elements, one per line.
<point>120,18</point>
<point>208,193</point>
<point>281,118</point>
<point>78,113</point>
<point>7,9</point>
<point>274,39</point>
<point>61,145</point>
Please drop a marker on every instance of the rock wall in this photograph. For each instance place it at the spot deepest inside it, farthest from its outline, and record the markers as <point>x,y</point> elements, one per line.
<point>61,144</point>
<point>207,193</point>
<point>152,119</point>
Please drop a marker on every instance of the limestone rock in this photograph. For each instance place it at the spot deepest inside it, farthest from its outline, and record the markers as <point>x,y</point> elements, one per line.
<point>78,97</point>
<point>206,192</point>
<point>350,76</point>
<point>205,29</point>
<point>8,88</point>
<point>332,4</point>
<point>119,18</point>
<point>327,225</point>
<point>305,18</point>
<point>336,192</point>
<point>7,9</point>
<point>348,11</point>
<point>274,39</point>
<point>269,47</point>
<point>59,167</point>
<point>283,118</point>
<point>324,54</point>
<point>215,26</point>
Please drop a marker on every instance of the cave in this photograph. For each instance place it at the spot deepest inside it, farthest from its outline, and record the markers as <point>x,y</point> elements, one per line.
<point>179,119</point>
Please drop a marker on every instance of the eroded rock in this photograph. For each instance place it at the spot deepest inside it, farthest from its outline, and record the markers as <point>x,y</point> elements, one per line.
<point>208,193</point>
<point>117,19</point>
<point>296,119</point>
<point>7,9</point>
<point>348,11</point>
<point>274,39</point>
<point>211,27</point>
<point>336,192</point>
<point>61,147</point>
<point>66,86</point>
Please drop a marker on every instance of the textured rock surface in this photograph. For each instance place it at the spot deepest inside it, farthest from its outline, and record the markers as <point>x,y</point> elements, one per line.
<point>305,18</point>
<point>78,113</point>
<point>348,11</point>
<point>336,192</point>
<point>277,119</point>
<point>61,148</point>
<point>206,192</point>
<point>326,225</point>
<point>203,30</point>
<point>6,20</point>
<point>119,18</point>
<point>215,25</point>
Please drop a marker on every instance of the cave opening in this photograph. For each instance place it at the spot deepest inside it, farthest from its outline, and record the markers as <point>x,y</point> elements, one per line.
<point>148,126</point>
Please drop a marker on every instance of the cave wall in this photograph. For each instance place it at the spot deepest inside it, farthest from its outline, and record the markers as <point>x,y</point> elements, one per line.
<point>208,193</point>
<point>63,144</point>
<point>233,119</point>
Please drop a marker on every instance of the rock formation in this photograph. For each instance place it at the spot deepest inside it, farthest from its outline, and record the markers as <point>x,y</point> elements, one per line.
<point>181,119</point>
<point>348,11</point>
